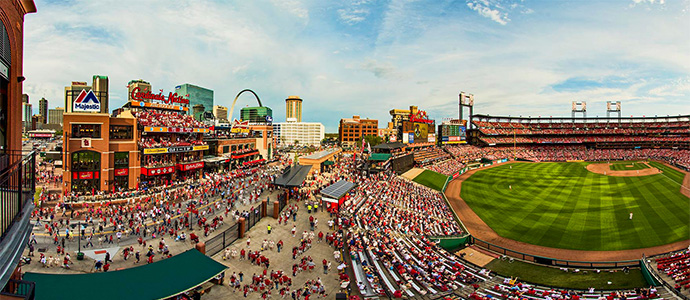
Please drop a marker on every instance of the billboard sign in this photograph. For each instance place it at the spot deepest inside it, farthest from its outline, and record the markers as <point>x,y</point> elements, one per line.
<point>86,102</point>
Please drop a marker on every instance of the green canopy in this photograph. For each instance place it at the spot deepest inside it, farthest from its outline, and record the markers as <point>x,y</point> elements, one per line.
<point>158,280</point>
<point>380,156</point>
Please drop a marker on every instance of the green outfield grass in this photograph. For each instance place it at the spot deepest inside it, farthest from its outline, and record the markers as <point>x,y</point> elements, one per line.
<point>563,205</point>
<point>555,277</point>
<point>627,166</point>
<point>431,179</point>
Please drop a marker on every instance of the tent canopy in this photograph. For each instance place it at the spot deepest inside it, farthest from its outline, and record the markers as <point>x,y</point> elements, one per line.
<point>389,146</point>
<point>380,156</point>
<point>338,189</point>
<point>159,280</point>
<point>293,176</point>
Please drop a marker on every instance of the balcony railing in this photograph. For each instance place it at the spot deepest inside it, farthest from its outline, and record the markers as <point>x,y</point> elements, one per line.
<point>19,289</point>
<point>17,186</point>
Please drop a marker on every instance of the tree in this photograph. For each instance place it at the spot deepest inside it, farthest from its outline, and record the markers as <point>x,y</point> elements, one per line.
<point>373,140</point>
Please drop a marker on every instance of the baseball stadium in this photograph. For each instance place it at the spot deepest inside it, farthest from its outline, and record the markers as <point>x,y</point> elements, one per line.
<point>579,195</point>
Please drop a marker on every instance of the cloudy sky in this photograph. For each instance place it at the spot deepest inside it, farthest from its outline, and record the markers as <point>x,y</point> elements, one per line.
<point>361,57</point>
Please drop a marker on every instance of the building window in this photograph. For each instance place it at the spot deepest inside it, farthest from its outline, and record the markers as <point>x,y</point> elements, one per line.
<point>121,132</point>
<point>121,160</point>
<point>86,130</point>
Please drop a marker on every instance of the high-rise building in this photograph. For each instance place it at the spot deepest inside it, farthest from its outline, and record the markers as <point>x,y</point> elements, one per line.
<point>144,86</point>
<point>220,112</point>
<point>299,133</point>
<point>293,109</point>
<point>25,98</point>
<point>55,115</point>
<point>72,92</point>
<point>198,111</point>
<point>259,114</point>
<point>196,95</point>
<point>351,130</point>
<point>26,116</point>
<point>100,87</point>
<point>43,110</point>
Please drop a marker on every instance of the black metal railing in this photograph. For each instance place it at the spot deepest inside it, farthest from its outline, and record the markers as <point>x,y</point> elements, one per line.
<point>17,186</point>
<point>19,289</point>
<point>253,218</point>
<point>219,242</point>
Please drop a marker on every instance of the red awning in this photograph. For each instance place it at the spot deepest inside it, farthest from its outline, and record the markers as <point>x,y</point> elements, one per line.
<point>245,154</point>
<point>254,162</point>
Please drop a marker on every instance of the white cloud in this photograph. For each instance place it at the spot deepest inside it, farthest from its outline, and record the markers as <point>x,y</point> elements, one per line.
<point>484,8</point>
<point>353,16</point>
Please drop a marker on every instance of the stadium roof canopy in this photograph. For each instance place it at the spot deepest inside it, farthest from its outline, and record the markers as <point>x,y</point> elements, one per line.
<point>160,280</point>
<point>293,176</point>
<point>338,189</point>
<point>320,154</point>
<point>379,156</point>
<point>389,146</point>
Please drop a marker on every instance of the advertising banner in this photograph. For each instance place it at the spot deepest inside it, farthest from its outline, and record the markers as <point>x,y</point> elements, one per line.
<point>86,102</point>
<point>432,138</point>
<point>157,171</point>
<point>411,137</point>
<point>121,172</point>
<point>192,166</point>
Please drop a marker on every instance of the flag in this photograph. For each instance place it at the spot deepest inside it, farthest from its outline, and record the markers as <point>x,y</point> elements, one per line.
<point>369,147</point>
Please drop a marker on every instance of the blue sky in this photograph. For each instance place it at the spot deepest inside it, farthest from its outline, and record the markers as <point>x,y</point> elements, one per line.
<point>365,57</point>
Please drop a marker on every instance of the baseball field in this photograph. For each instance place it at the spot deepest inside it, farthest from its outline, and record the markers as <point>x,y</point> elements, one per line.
<point>563,205</point>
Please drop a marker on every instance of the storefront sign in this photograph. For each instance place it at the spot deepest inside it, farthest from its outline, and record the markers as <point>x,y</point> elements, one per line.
<point>121,172</point>
<point>155,150</point>
<point>158,105</point>
<point>86,102</point>
<point>174,129</point>
<point>192,166</point>
<point>84,175</point>
<point>137,94</point>
<point>177,149</point>
<point>157,171</point>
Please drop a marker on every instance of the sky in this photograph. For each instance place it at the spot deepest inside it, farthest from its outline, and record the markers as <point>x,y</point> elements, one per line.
<point>365,57</point>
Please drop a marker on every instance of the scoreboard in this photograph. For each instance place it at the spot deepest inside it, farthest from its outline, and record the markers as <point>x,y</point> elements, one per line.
<point>452,134</point>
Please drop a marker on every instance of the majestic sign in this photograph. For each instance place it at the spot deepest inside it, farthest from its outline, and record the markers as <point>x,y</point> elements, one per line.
<point>138,95</point>
<point>86,102</point>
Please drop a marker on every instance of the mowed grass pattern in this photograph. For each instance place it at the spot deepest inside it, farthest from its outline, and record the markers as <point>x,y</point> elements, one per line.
<point>431,179</point>
<point>626,166</point>
<point>562,205</point>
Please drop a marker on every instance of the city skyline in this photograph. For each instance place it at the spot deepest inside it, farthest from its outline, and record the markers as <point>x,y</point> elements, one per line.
<point>367,57</point>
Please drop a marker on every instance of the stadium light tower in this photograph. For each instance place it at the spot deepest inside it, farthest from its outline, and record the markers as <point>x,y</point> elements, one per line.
<point>615,108</point>
<point>466,100</point>
<point>579,107</point>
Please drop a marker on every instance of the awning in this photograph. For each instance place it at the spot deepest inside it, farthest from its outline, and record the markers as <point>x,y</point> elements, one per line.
<point>160,280</point>
<point>293,176</point>
<point>250,153</point>
<point>389,146</point>
<point>215,159</point>
<point>380,156</point>
<point>253,162</point>
<point>338,189</point>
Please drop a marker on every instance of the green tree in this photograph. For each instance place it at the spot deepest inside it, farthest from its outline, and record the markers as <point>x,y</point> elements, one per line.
<point>373,140</point>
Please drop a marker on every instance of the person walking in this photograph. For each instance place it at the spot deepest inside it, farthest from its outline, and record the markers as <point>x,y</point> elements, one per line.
<point>269,228</point>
